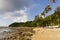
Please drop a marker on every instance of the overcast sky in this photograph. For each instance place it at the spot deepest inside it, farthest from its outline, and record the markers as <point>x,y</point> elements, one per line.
<point>22,10</point>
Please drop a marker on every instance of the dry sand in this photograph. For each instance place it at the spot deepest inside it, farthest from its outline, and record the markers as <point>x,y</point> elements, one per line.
<point>46,34</point>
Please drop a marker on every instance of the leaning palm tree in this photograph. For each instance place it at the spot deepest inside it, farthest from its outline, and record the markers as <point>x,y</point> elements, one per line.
<point>47,9</point>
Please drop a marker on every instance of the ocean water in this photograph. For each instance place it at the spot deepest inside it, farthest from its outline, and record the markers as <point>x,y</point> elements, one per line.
<point>3,29</point>
<point>7,29</point>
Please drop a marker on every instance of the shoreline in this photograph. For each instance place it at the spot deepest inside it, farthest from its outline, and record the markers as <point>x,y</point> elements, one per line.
<point>18,34</point>
<point>32,33</point>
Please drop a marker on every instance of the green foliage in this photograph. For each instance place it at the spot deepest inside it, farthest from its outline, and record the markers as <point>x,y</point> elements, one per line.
<point>16,24</point>
<point>47,9</point>
<point>37,20</point>
<point>57,9</point>
<point>21,24</point>
<point>28,24</point>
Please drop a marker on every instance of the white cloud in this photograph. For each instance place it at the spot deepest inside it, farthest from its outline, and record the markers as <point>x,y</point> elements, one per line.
<point>21,19</point>
<point>23,16</point>
<point>14,10</point>
<point>17,16</point>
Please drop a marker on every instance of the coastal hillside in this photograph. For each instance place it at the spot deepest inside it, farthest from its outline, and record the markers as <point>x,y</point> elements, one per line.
<point>51,20</point>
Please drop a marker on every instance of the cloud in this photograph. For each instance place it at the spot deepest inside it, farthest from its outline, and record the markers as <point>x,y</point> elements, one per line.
<point>12,5</point>
<point>15,10</point>
<point>17,16</point>
<point>22,18</point>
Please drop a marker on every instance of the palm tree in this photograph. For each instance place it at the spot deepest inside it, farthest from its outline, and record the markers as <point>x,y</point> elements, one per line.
<point>47,9</point>
<point>58,13</point>
<point>57,9</point>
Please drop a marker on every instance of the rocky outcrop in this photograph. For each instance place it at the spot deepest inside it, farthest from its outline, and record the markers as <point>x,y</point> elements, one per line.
<point>21,34</point>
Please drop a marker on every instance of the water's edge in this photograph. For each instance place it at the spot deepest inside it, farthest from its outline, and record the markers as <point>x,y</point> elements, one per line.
<point>18,33</point>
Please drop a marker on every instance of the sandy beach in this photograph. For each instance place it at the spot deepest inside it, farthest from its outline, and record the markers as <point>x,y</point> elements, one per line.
<point>32,34</point>
<point>46,34</point>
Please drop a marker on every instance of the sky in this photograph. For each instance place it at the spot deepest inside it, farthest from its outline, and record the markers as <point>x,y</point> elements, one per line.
<point>23,10</point>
